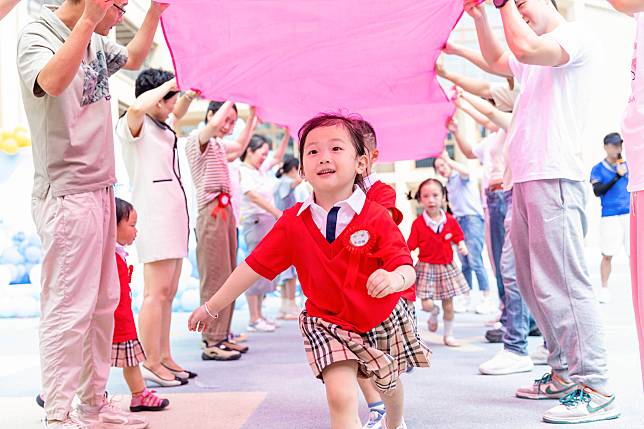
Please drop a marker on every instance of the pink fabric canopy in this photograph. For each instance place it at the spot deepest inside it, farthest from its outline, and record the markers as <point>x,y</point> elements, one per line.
<point>294,59</point>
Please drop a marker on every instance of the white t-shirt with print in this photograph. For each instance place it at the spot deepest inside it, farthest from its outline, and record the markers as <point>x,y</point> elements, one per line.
<point>546,138</point>
<point>633,126</point>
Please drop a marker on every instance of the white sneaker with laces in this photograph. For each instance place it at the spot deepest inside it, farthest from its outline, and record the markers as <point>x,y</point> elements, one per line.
<point>540,355</point>
<point>260,326</point>
<point>69,423</point>
<point>506,362</point>
<point>603,295</point>
<point>583,405</point>
<point>110,416</point>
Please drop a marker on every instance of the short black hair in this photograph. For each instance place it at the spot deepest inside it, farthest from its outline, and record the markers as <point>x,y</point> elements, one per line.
<point>150,79</point>
<point>213,106</point>
<point>123,210</point>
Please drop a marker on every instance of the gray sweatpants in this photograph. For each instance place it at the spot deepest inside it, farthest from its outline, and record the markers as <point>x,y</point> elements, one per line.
<point>548,228</point>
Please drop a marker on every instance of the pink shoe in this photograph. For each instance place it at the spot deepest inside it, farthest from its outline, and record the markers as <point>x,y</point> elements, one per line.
<point>147,401</point>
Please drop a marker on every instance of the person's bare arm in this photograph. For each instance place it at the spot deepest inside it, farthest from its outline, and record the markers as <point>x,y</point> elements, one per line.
<point>499,118</point>
<point>475,114</point>
<point>213,125</point>
<point>6,6</point>
<point>260,201</point>
<point>494,53</point>
<point>456,166</point>
<point>139,47</point>
<point>526,45</point>
<point>136,112</point>
<point>471,55</point>
<point>628,6</point>
<point>463,144</point>
<point>183,104</point>
<point>281,150</point>
<point>241,279</point>
<point>61,69</point>
<point>235,148</point>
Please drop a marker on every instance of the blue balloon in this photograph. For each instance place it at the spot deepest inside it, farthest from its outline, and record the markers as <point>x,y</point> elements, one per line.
<point>11,256</point>
<point>33,254</point>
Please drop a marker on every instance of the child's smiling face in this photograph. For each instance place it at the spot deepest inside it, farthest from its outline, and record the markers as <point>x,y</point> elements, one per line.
<point>431,197</point>
<point>330,161</point>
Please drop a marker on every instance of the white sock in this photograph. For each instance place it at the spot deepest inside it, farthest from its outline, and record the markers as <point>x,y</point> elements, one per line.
<point>447,327</point>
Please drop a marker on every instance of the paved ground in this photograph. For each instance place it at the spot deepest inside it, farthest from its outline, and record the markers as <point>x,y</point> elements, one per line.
<point>272,387</point>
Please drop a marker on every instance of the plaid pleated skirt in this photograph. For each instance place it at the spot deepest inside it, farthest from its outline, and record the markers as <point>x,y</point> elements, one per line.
<point>439,281</point>
<point>383,353</point>
<point>126,354</point>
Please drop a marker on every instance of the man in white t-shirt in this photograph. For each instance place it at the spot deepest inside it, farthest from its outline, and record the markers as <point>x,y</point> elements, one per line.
<point>552,61</point>
<point>633,133</point>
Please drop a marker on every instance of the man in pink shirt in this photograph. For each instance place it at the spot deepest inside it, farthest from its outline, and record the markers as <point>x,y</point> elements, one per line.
<point>633,133</point>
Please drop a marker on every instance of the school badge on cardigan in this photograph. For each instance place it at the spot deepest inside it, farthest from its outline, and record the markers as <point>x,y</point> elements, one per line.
<point>448,236</point>
<point>359,241</point>
<point>223,201</point>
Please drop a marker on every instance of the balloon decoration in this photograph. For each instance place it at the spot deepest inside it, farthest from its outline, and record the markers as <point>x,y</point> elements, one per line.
<point>10,144</point>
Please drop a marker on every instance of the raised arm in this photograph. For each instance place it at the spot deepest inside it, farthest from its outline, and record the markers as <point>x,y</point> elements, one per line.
<point>61,69</point>
<point>526,45</point>
<point>235,148</point>
<point>212,127</point>
<point>499,118</point>
<point>144,102</point>
<point>6,6</point>
<point>456,166</point>
<point>471,55</point>
<point>463,144</point>
<point>475,114</point>
<point>281,149</point>
<point>183,104</point>
<point>628,6</point>
<point>241,279</point>
<point>139,46</point>
<point>493,51</point>
<point>479,87</point>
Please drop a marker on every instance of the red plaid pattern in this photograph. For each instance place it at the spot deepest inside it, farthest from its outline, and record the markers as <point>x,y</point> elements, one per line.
<point>127,354</point>
<point>439,281</point>
<point>384,352</point>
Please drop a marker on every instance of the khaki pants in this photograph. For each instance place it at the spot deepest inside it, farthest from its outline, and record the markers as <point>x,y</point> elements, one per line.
<point>79,294</point>
<point>216,260</point>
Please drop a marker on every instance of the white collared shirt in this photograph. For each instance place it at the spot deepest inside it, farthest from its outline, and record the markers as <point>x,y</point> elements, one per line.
<point>435,226</point>
<point>348,208</point>
<point>369,181</point>
<point>120,250</point>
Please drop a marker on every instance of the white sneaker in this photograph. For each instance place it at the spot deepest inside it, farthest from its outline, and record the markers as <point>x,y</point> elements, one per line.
<point>260,326</point>
<point>69,423</point>
<point>506,362</point>
<point>540,355</point>
<point>272,322</point>
<point>603,295</point>
<point>110,416</point>
<point>462,303</point>
<point>400,426</point>
<point>486,306</point>
<point>583,405</point>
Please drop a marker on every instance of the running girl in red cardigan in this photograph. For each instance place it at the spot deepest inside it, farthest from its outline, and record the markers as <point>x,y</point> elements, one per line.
<point>353,265</point>
<point>127,352</point>
<point>437,276</point>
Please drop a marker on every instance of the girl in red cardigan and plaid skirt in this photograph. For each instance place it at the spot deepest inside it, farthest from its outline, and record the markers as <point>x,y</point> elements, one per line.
<point>354,266</point>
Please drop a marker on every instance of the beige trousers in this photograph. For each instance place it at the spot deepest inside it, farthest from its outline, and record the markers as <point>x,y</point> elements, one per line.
<point>79,295</point>
<point>216,260</point>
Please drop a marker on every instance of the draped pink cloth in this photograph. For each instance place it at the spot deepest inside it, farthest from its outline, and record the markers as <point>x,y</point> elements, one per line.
<point>294,59</point>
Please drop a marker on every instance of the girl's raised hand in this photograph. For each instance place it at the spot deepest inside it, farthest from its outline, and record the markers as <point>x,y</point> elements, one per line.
<point>382,283</point>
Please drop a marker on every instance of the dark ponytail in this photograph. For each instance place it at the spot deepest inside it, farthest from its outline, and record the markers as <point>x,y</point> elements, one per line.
<point>289,164</point>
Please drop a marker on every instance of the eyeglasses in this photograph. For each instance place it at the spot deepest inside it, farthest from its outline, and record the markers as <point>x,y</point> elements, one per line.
<point>121,10</point>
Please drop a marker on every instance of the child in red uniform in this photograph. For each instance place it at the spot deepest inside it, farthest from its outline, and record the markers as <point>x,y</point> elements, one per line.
<point>437,276</point>
<point>353,265</point>
<point>127,352</point>
<point>385,195</point>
